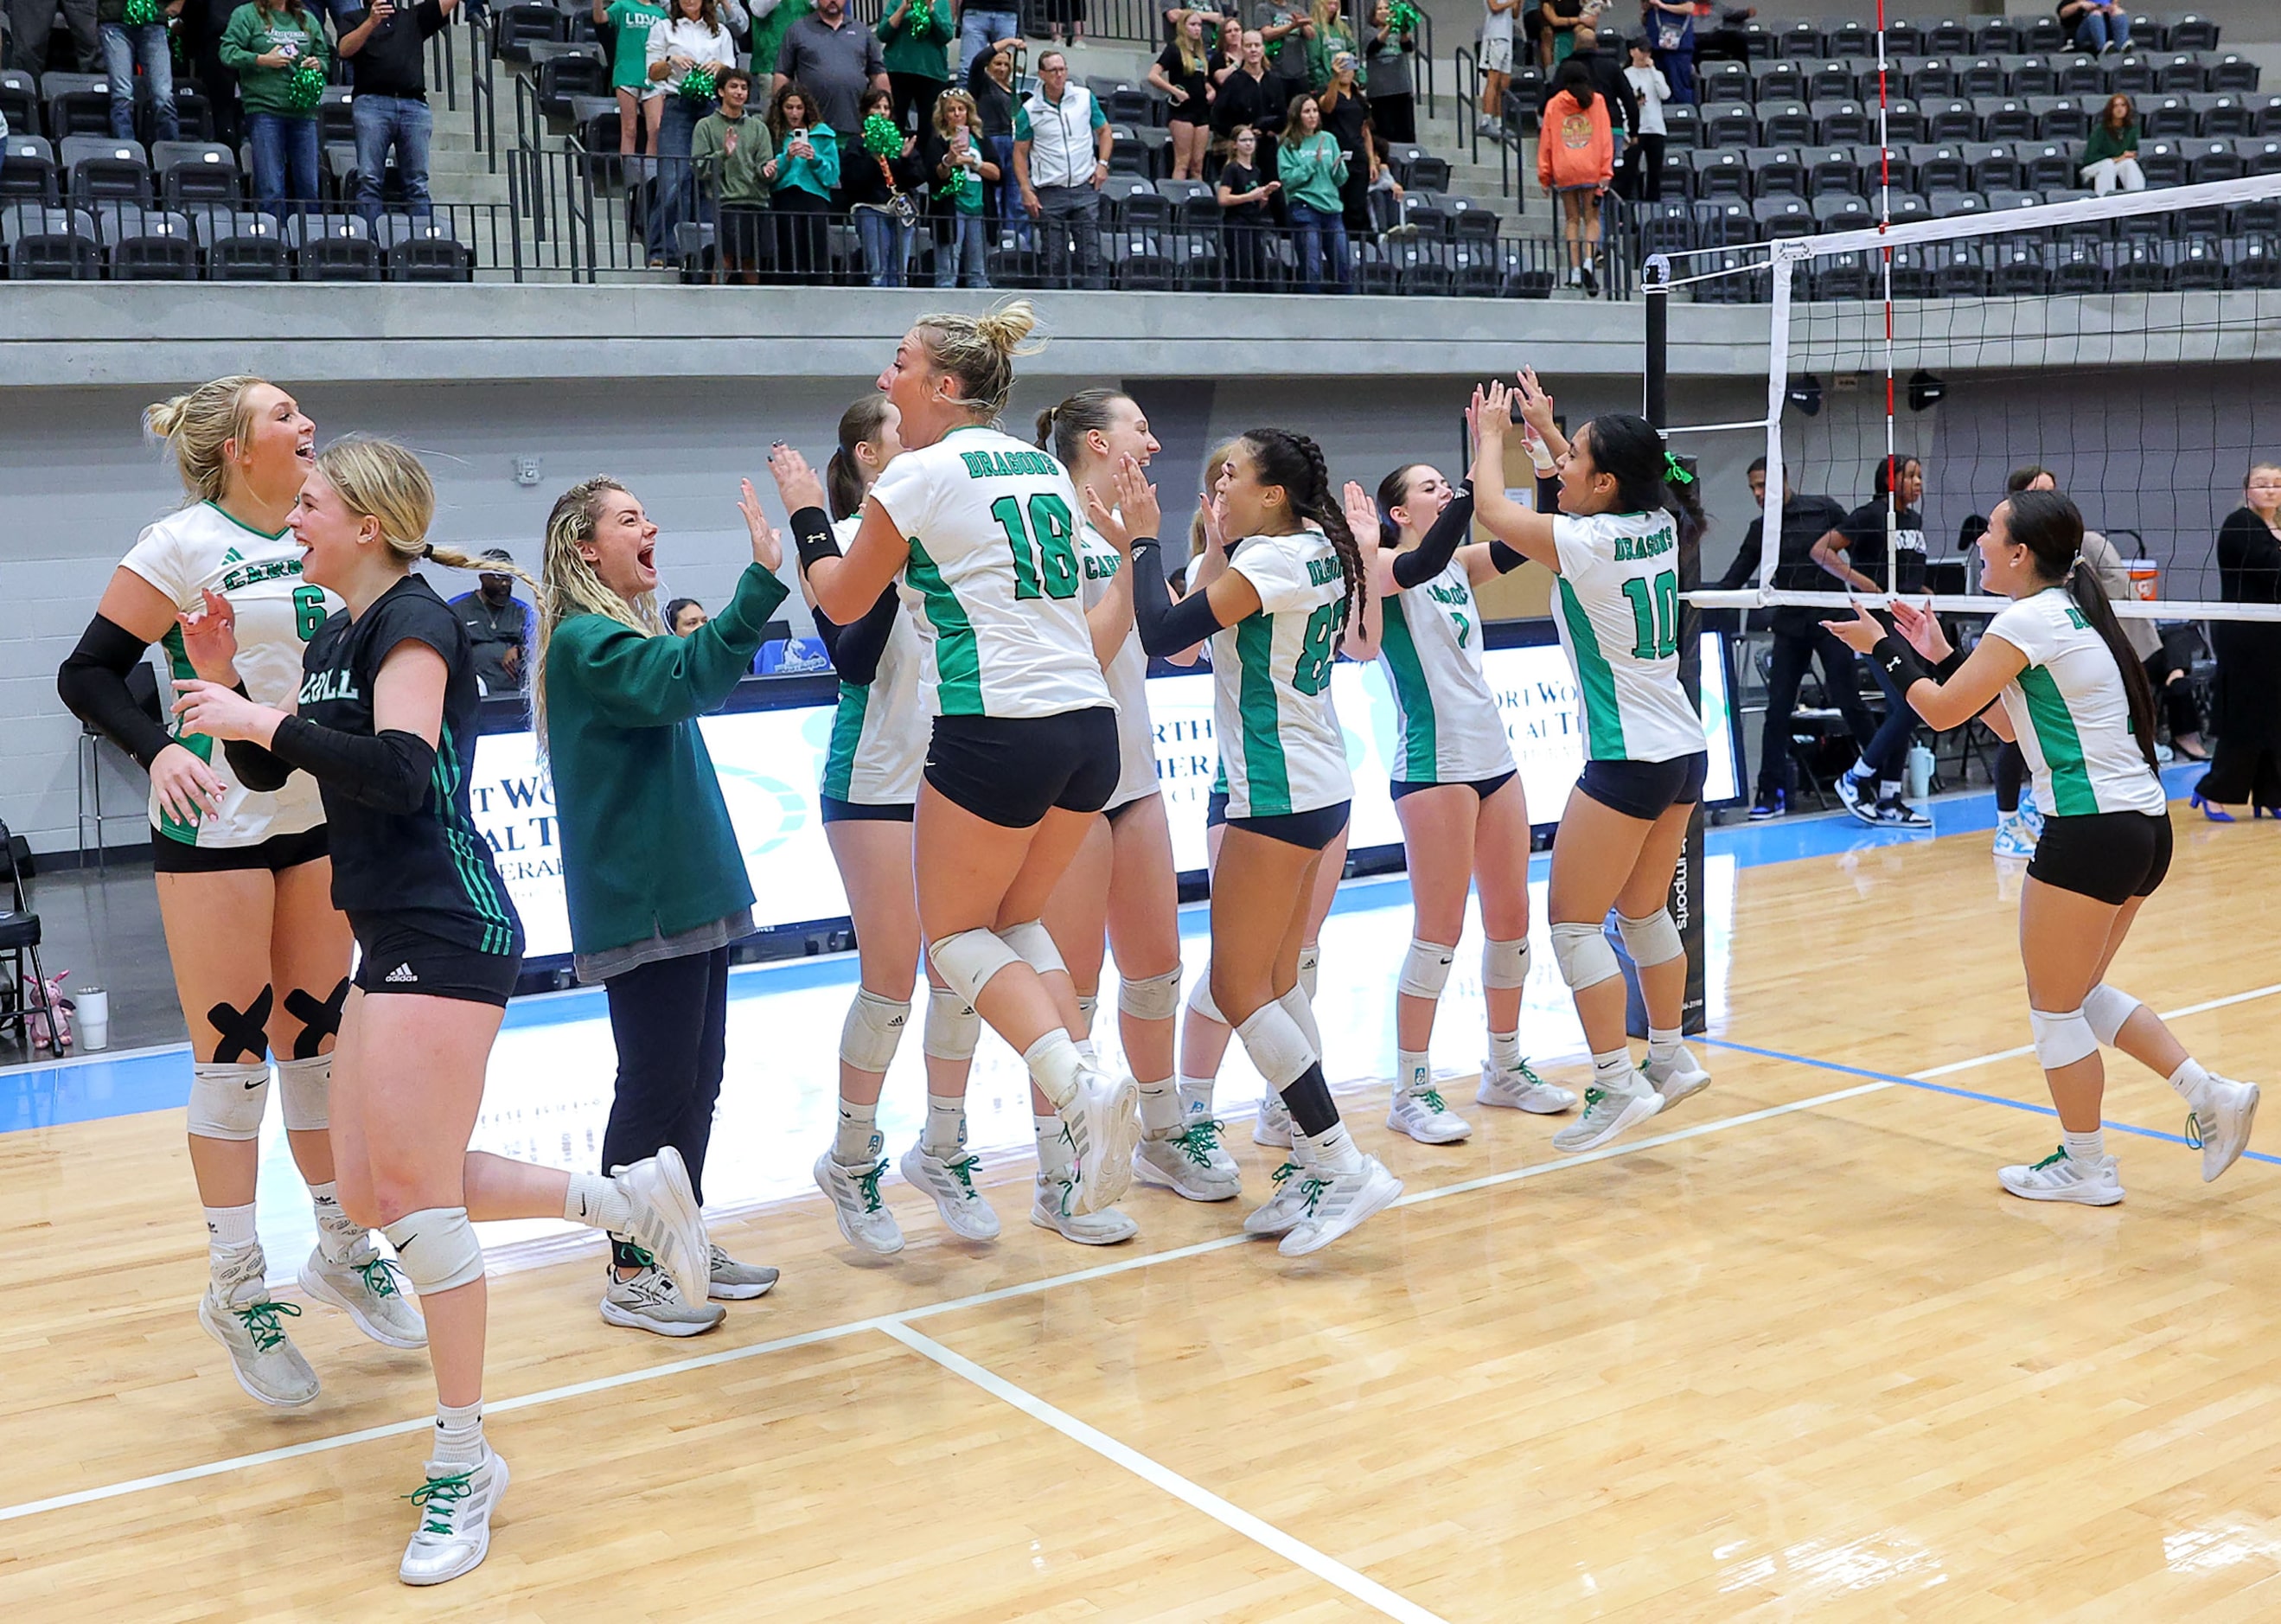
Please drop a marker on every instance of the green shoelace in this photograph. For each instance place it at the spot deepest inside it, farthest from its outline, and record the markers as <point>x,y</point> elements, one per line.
<point>2194,1130</point>
<point>1310,1192</point>
<point>961,1170</point>
<point>869,1184</point>
<point>261,1323</point>
<point>2056,1157</point>
<point>1527,1074</point>
<point>1285,1172</point>
<point>444,1491</point>
<point>1198,1141</point>
<point>379,1277</point>
<point>1430,1097</point>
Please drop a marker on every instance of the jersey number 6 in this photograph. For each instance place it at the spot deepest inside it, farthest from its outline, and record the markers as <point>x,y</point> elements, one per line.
<point>1044,549</point>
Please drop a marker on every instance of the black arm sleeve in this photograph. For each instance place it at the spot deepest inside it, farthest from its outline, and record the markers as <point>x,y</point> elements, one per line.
<point>256,768</point>
<point>812,537</point>
<point>1506,559</point>
<point>93,683</point>
<point>1430,557</point>
<point>390,770</point>
<point>1900,662</point>
<point>856,648</point>
<point>1165,627</point>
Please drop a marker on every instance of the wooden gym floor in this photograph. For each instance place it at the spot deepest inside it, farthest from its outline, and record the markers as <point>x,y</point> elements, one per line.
<point>1787,1354</point>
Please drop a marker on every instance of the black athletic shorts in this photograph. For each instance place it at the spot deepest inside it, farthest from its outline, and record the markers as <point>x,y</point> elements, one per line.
<point>1012,770</point>
<point>1482,788</point>
<point>397,957</point>
<point>1646,789</point>
<point>2112,856</point>
<point>1313,831</point>
<point>275,855</point>
<point>1113,813</point>
<point>839,811</point>
<point>1215,809</point>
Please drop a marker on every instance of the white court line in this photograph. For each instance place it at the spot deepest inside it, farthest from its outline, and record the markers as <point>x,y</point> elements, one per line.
<point>1297,1552</point>
<point>2203,1007</point>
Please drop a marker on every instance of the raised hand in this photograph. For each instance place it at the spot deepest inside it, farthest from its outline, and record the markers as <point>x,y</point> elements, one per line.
<point>1535,404</point>
<point>1362,513</point>
<point>1492,411</point>
<point>768,546</point>
<point>1136,500</point>
<point>1859,634</point>
<point>210,638</point>
<point>219,712</point>
<point>1920,630</point>
<point>796,482</point>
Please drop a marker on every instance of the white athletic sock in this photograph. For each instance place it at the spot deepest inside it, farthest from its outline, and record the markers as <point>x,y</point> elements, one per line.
<point>2188,1080</point>
<point>1088,1007</point>
<point>339,1235</point>
<point>855,1141</point>
<point>1889,789</point>
<point>1303,1149</point>
<point>230,1238</point>
<point>1505,1050</point>
<point>1335,1152</point>
<point>459,1435</point>
<point>1055,1062</point>
<point>1161,1111</point>
<point>1196,1096</point>
<point>2086,1147</point>
<point>1056,1156</point>
<point>1089,1054</point>
<point>1310,968</point>
<point>598,1202</point>
<point>1613,1071</point>
<point>1664,1044</point>
<point>1412,1072</point>
<point>946,1126</point>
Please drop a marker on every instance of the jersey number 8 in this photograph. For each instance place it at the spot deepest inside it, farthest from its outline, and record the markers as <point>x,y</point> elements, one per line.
<point>1310,673</point>
<point>1655,616</point>
<point>1044,549</point>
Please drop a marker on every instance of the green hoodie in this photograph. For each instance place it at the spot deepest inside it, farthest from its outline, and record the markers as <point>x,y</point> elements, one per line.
<point>905,51</point>
<point>251,35</point>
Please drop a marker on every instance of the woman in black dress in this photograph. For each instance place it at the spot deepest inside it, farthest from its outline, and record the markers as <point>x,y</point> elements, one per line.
<point>2246,765</point>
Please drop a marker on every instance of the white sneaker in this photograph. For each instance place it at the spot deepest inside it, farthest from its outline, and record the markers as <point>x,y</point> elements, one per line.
<point>236,1313</point>
<point>666,1222</point>
<point>2220,1123</point>
<point>649,1301</point>
<point>1189,1161</point>
<point>855,1193</point>
<point>1271,1126</point>
<point>1608,1112</point>
<point>1424,1116</point>
<point>2060,1177</point>
<point>1103,1122</point>
<point>370,1292</point>
<point>1051,1208</point>
<point>738,1282</point>
<point>1521,1089</point>
<point>1335,1203</point>
<point>2014,838</point>
<point>1857,796</point>
<point>1284,1206</point>
<point>1676,1080</point>
<point>2034,815</point>
<point>455,1506</point>
<point>950,1181</point>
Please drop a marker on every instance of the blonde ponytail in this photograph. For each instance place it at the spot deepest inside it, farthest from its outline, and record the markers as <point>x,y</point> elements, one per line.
<point>979,350</point>
<point>570,587</point>
<point>198,428</point>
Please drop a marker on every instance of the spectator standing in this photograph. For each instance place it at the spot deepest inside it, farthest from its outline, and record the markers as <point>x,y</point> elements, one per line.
<point>202,24</point>
<point>961,175</point>
<point>1563,20</point>
<point>1065,21</point>
<point>835,59</point>
<point>1608,78</point>
<point>2110,152</point>
<point>1250,98</point>
<point>915,39</point>
<point>1313,170</point>
<point>982,26</point>
<point>772,19</point>
<point>1328,35</point>
<point>1393,84</point>
<point>1346,115</point>
<point>1643,159</point>
<point>687,54</point>
<point>1497,61</point>
<point>1284,38</point>
<point>31,26</point>
<point>1576,159</point>
<point>1671,36</point>
<point>684,615</point>
<point>1856,553</point>
<point>1061,158</point>
<point>384,49</point>
<point>879,189</point>
<point>127,45</point>
<point>1243,197</point>
<point>990,82</point>
<point>2096,24</point>
<point>805,180</point>
<point>733,155</point>
<point>1182,71</point>
<point>277,50</point>
<point>641,101</point>
<point>498,624</point>
<point>2246,764</point>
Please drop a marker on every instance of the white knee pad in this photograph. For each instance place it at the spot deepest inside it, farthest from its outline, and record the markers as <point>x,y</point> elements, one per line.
<point>1151,998</point>
<point>1425,969</point>
<point>304,1090</point>
<point>1310,968</point>
<point>226,1101</point>
<point>2106,1009</point>
<point>872,1031</point>
<point>1652,940</point>
<point>1276,1045</point>
<point>953,1029</point>
<point>1505,963</point>
<point>968,960</point>
<point>1584,956</point>
<point>1199,999</point>
<point>1301,1009</point>
<point>437,1248</point>
<point>2061,1040</point>
<point>1035,944</point>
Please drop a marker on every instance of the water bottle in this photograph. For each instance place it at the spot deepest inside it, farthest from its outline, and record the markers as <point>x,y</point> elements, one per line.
<point>91,1010</point>
<point>1920,772</point>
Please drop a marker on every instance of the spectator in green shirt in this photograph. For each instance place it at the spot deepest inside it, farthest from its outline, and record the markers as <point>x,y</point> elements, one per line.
<point>641,99</point>
<point>1313,169</point>
<point>960,174</point>
<point>807,175</point>
<point>914,36</point>
<point>772,19</point>
<point>1329,37</point>
<point>271,45</point>
<point>735,159</point>
<point>2110,155</point>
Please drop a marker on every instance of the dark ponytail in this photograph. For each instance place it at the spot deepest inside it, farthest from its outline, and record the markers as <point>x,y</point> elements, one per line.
<point>1393,492</point>
<point>2049,526</point>
<point>843,475</point>
<point>1061,428</point>
<point>1630,449</point>
<point>1295,463</point>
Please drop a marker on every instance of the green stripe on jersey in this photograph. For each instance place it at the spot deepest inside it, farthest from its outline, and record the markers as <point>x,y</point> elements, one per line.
<point>846,733</point>
<point>1265,769</point>
<point>957,656</point>
<point>1604,723</point>
<point>2072,795</point>
<point>1421,757</point>
<point>200,745</point>
<point>475,879</point>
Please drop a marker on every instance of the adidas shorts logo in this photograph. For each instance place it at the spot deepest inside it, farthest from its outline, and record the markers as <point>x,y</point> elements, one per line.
<point>400,976</point>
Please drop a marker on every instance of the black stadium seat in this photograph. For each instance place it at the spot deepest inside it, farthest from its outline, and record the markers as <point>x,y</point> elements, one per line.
<point>196,172</point>
<point>50,244</point>
<point>100,167</point>
<point>77,104</point>
<point>332,248</point>
<point>240,246</point>
<point>142,244</point>
<point>27,171</point>
<point>424,249</point>
<point>19,102</point>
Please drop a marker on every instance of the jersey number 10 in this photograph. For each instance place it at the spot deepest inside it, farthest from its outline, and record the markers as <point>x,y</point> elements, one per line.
<point>1655,616</point>
<point>1044,549</point>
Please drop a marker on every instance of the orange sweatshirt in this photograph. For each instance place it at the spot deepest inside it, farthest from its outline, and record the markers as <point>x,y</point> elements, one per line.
<point>1576,146</point>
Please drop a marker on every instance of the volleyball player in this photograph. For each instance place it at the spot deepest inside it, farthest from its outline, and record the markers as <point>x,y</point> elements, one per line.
<point>1273,615</point>
<point>1464,816</point>
<point>261,955</point>
<point>2078,703</point>
<point>1123,878</point>
<point>983,530</point>
<point>1614,547</point>
<point>870,793</point>
<point>652,872</point>
<point>385,721</point>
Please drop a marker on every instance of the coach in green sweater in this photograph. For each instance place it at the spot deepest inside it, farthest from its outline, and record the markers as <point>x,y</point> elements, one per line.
<point>654,878</point>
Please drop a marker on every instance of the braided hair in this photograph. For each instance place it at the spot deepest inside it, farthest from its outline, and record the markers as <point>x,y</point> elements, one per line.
<point>1295,463</point>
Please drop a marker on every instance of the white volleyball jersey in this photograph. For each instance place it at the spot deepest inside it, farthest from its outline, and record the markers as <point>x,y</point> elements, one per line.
<point>1619,620</point>
<point>2072,714</point>
<point>1451,732</point>
<point>879,729</point>
<point>1127,672</point>
<point>183,555</point>
<point>1279,741</point>
<point>994,577</point>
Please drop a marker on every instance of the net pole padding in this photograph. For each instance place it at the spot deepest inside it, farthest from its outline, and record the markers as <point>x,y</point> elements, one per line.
<point>1655,376</point>
<point>1977,603</point>
<point>2043,217</point>
<point>1785,268</point>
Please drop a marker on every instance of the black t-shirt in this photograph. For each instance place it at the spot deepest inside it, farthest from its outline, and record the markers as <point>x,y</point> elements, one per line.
<point>1245,100</point>
<point>1240,179</point>
<point>1344,119</point>
<point>390,61</point>
<point>1192,111</point>
<point>1864,530</point>
<point>995,101</point>
<point>430,869</point>
<point>1805,521</point>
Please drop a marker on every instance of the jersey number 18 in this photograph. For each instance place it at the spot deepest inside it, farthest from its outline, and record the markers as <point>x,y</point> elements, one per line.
<point>1044,549</point>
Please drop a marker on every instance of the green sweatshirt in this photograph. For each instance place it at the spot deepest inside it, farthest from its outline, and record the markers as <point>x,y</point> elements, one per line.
<point>250,35</point>
<point>647,847</point>
<point>728,153</point>
<point>1313,171</point>
<point>2104,143</point>
<point>905,51</point>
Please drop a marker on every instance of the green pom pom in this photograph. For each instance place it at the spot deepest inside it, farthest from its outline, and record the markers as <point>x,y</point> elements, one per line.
<point>141,13</point>
<point>881,137</point>
<point>698,84</point>
<point>961,185</point>
<point>306,88</point>
<point>1402,16</point>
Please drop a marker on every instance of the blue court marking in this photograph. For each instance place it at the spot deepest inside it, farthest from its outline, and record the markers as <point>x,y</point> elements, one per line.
<point>1963,1094</point>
